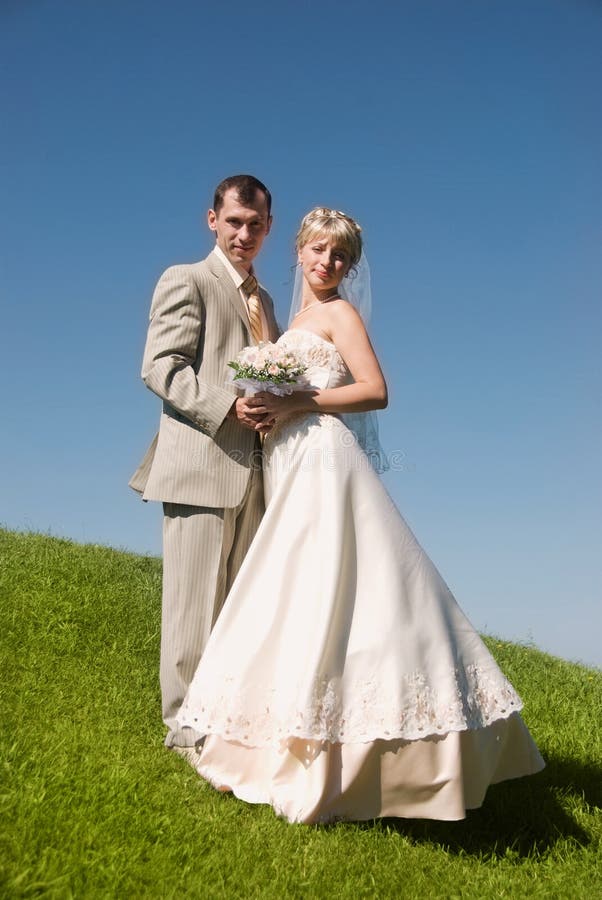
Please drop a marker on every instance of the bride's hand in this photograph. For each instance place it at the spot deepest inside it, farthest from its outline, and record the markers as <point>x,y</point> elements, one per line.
<point>275,408</point>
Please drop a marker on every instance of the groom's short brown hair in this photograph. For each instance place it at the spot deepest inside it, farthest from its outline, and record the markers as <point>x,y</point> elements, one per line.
<point>246,186</point>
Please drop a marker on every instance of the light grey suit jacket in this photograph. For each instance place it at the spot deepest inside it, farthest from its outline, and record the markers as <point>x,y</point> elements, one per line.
<point>198,323</point>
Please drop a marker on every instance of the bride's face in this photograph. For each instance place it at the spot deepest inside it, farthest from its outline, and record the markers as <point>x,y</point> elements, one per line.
<point>324,264</point>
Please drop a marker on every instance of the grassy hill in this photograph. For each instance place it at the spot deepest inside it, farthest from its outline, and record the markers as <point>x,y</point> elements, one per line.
<point>94,806</point>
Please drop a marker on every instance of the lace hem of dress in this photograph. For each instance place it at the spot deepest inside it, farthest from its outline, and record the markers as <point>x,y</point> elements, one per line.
<point>468,699</point>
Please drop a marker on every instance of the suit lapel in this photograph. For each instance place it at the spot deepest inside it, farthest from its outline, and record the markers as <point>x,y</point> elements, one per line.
<point>273,330</point>
<point>227,288</point>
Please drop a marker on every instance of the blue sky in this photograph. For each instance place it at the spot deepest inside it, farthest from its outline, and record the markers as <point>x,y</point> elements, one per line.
<point>464,135</point>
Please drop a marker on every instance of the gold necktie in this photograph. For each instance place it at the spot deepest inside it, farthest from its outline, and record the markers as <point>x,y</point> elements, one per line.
<point>249,286</point>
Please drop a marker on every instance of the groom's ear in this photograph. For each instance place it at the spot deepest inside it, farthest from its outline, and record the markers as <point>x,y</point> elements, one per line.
<point>212,219</point>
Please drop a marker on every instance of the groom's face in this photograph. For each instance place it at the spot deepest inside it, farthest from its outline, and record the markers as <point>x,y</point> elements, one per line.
<point>240,229</point>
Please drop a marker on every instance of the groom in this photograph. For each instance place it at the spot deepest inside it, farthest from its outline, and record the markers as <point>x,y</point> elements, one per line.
<point>205,463</point>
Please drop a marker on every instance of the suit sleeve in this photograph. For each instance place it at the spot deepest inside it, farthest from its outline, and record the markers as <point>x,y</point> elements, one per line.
<point>176,321</point>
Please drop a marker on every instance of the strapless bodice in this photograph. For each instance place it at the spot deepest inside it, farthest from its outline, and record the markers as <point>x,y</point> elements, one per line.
<point>325,366</point>
<point>326,369</point>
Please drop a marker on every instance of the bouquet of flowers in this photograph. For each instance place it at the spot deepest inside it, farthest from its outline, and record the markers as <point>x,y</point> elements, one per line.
<point>268,367</point>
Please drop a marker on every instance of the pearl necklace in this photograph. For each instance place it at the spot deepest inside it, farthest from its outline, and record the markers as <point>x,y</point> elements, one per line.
<point>317,303</point>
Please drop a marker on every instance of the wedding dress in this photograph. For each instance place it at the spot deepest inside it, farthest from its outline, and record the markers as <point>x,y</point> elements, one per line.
<point>342,680</point>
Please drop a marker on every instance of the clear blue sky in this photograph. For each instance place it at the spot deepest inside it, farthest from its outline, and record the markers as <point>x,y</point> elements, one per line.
<point>464,135</point>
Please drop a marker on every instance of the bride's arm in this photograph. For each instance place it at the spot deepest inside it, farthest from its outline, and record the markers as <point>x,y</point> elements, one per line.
<point>345,329</point>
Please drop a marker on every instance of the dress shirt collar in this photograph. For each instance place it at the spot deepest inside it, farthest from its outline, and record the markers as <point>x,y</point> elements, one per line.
<point>236,273</point>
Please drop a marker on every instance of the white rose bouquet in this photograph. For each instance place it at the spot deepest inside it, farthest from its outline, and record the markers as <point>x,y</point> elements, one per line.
<point>268,367</point>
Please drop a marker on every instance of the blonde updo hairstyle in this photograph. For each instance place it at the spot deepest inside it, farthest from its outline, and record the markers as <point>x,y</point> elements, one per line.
<point>334,225</point>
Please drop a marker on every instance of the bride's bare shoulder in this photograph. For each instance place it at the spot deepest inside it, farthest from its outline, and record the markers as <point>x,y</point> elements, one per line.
<point>344,314</point>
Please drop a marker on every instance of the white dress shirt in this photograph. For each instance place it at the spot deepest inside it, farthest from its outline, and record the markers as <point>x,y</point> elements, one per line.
<point>238,276</point>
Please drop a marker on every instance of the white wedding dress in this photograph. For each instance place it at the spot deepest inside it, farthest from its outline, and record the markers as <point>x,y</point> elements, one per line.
<point>342,680</point>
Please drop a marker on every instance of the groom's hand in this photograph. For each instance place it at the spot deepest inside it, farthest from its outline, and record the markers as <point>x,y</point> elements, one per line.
<point>244,411</point>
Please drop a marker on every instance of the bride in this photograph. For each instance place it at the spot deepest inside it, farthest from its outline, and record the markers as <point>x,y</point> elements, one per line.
<point>342,680</point>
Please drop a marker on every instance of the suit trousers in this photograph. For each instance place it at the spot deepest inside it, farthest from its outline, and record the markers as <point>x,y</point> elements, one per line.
<point>203,549</point>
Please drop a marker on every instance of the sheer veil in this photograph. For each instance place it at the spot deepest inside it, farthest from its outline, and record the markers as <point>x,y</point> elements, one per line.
<point>355,288</point>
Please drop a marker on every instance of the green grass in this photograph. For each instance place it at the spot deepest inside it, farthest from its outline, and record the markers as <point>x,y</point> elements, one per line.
<point>94,806</point>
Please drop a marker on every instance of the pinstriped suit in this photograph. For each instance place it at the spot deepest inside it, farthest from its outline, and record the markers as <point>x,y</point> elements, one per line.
<point>204,467</point>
